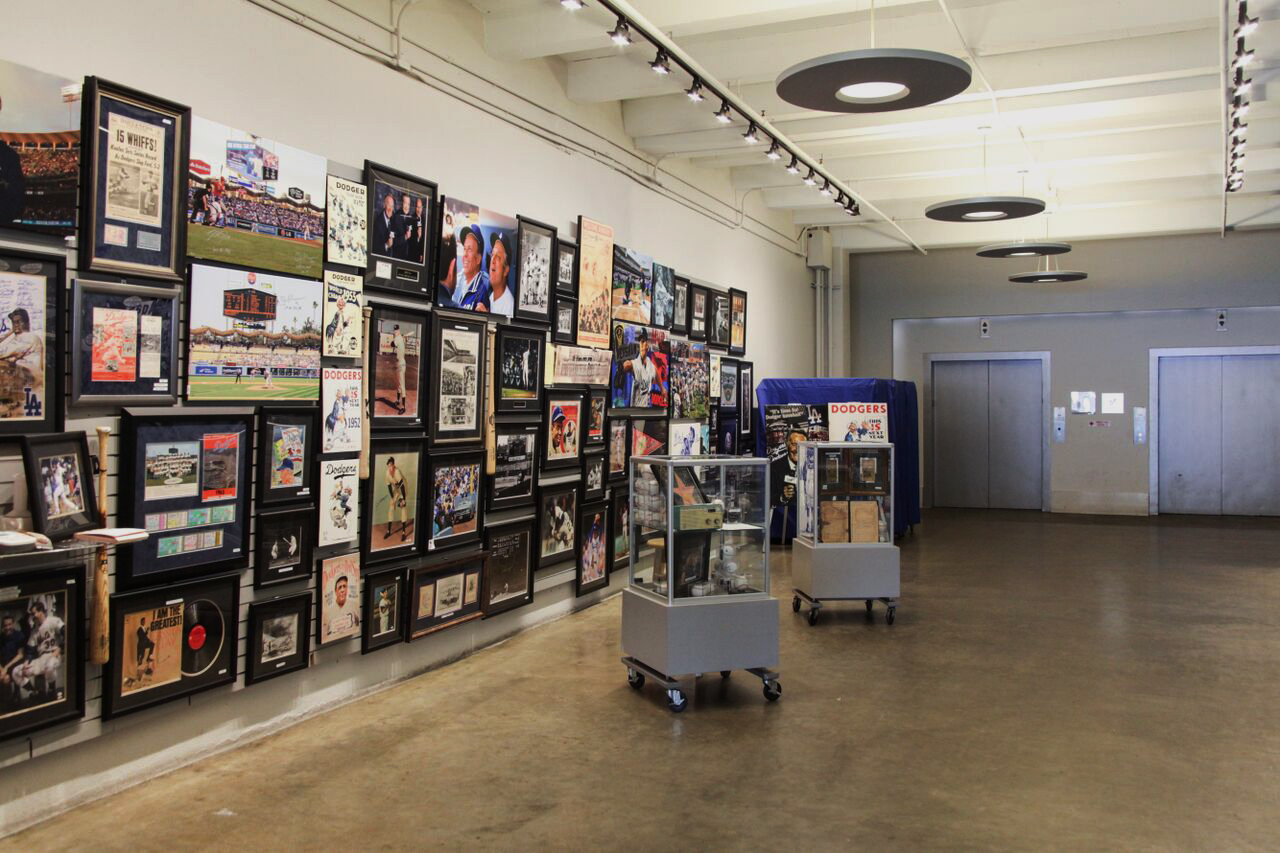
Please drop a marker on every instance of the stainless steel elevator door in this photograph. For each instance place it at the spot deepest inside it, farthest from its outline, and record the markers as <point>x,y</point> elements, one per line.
<point>1015,442</point>
<point>1250,435</point>
<point>960,412</point>
<point>1191,435</point>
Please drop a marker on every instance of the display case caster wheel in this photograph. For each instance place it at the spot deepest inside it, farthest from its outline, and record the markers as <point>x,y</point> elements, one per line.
<point>772,690</point>
<point>677,701</point>
<point>635,679</point>
<point>724,673</point>
<point>795,604</point>
<point>813,616</point>
<point>870,603</point>
<point>888,616</point>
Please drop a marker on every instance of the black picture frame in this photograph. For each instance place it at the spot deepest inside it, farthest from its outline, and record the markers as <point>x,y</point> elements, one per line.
<point>60,592</point>
<point>618,460</point>
<point>184,634</point>
<point>92,380</point>
<point>525,270</point>
<point>593,544</point>
<point>746,397</point>
<point>557,507</point>
<point>699,312</point>
<point>680,318</point>
<point>718,333</point>
<point>595,476</point>
<point>562,446</point>
<point>727,435</point>
<point>284,545</point>
<point>515,478</point>
<point>519,388</point>
<point>386,271</point>
<point>664,296</point>
<point>287,453</point>
<point>132,247</point>
<point>463,423</point>
<point>385,398</point>
<point>383,493</point>
<point>452,524</point>
<point>566,267</point>
<point>620,535</point>
<point>289,618</point>
<point>171,433</point>
<point>384,598</point>
<point>734,296</point>
<point>37,401</point>
<point>728,402</point>
<point>564,322</point>
<point>654,431</point>
<point>438,594</point>
<point>597,419</point>
<point>58,470</point>
<point>508,571</point>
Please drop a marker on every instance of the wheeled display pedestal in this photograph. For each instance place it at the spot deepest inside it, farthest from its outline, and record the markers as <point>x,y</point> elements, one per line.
<point>829,574</point>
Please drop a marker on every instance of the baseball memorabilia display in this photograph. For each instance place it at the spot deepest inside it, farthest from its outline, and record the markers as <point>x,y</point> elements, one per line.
<point>595,282</point>
<point>254,202</point>
<point>737,322</point>
<point>562,446</point>
<point>457,404</point>
<point>648,436</point>
<point>690,393</point>
<point>516,470</point>
<point>680,314</point>
<point>535,271</point>
<point>593,548</point>
<point>393,505</point>
<point>664,296</point>
<point>124,344</point>
<point>398,385</point>
<point>566,267</point>
<point>346,222</point>
<point>283,552</point>
<point>39,150</point>
<point>170,641</point>
<point>252,336</point>
<point>286,455</point>
<point>60,484</point>
<point>686,437</point>
<point>640,368</point>
<point>455,498</point>
<point>632,286</point>
<point>383,609</point>
<point>30,341</point>
<point>188,471</point>
<point>279,640</point>
<point>341,409</point>
<point>557,520</point>
<point>343,323</point>
<point>339,501</point>
<point>508,576</point>
<point>401,210</point>
<point>338,605</point>
<point>42,613</point>
<point>134,150</point>
<point>443,594</point>
<point>520,366</point>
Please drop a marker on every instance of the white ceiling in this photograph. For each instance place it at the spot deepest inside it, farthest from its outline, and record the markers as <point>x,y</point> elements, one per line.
<point>1110,110</point>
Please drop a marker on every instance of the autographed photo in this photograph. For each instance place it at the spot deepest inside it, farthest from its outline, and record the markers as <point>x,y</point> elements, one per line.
<point>254,202</point>
<point>29,342</point>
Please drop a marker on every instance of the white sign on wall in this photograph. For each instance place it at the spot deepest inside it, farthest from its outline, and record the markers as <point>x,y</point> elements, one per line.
<point>865,422</point>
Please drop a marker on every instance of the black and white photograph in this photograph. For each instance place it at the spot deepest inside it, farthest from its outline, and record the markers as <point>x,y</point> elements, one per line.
<point>400,215</point>
<point>680,315</point>
<point>557,517</point>
<point>536,270</point>
<point>516,454</point>
<point>746,397</point>
<point>41,633</point>
<point>283,552</point>
<point>383,609</point>
<point>719,328</point>
<point>457,404</point>
<point>443,593</point>
<point>664,297</point>
<point>508,570</point>
<point>566,267</point>
<point>699,310</point>
<point>593,476</point>
<point>520,368</point>
<point>346,222</point>
<point>564,329</point>
<point>279,637</point>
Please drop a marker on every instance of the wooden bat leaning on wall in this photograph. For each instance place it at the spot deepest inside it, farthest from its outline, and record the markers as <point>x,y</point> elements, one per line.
<point>366,400</point>
<point>491,386</point>
<point>99,625</point>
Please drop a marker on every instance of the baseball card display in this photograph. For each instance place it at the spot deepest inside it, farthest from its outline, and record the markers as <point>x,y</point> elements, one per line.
<point>338,608</point>
<point>342,410</point>
<point>401,210</point>
<point>346,222</point>
<point>41,629</point>
<point>339,501</point>
<point>343,324</point>
<point>30,341</point>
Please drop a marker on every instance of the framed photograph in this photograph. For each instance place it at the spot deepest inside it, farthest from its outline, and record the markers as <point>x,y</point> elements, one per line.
<point>42,623</point>
<point>699,311</point>
<point>286,453</point>
<point>188,471</point>
<point>565,328</point>
<point>402,208</point>
<point>562,447</point>
<point>727,435</point>
<point>619,449</point>
<point>457,405</point>
<point>536,270</point>
<point>690,381</point>
<point>455,498</point>
<point>508,575</point>
<point>283,552</point>
<point>595,282</point>
<point>557,521</point>
<point>481,247</point>
<point>124,344</point>
<point>664,296</point>
<point>252,336</point>
<point>339,502</point>
<point>680,314</point>
<point>398,362</point>
<point>134,149</point>
<point>170,641</point>
<point>746,397</point>
<point>685,437</point>
<point>566,267</point>
<point>43,139</point>
<point>393,504</point>
<point>341,409</point>
<point>593,547</point>
<point>346,222</point>
<point>338,602</point>
<point>597,402</point>
<point>515,474</point>
<point>343,318</point>
<point>520,354</point>
<point>729,384</point>
<point>594,479</point>
<point>574,365</point>
<point>632,286</point>
<point>279,637</point>
<point>31,345</point>
<point>718,331</point>
<point>648,436</point>
<point>639,373</point>
<point>383,609</point>
<point>60,484</point>
<point>737,322</point>
<point>255,202</point>
<point>620,547</point>
<point>713,374</point>
<point>444,593</point>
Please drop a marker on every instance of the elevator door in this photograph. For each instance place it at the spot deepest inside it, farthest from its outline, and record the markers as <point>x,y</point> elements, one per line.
<point>988,434</point>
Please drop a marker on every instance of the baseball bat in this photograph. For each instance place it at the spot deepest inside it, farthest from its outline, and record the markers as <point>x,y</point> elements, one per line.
<point>490,430</point>
<point>367,403</point>
<point>99,626</point>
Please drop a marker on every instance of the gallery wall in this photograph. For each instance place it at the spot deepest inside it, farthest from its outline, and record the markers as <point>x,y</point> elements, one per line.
<point>234,61</point>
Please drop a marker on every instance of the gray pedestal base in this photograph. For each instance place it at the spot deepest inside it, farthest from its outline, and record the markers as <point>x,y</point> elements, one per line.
<point>844,571</point>
<point>712,634</point>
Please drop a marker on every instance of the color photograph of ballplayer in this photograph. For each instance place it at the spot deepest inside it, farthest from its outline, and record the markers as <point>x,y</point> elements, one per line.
<point>455,506</point>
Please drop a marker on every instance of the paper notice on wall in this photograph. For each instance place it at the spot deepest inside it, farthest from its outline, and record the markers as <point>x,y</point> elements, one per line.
<point>861,422</point>
<point>149,346</point>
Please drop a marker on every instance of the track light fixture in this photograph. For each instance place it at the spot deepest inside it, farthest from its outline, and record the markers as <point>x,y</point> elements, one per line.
<point>661,64</point>
<point>1239,108</point>
<point>723,115</point>
<point>750,137</point>
<point>1239,128</point>
<point>793,168</point>
<point>809,179</point>
<point>694,92</point>
<point>1244,24</point>
<point>572,5</point>
<point>775,151</point>
<point>1244,58</point>
<point>621,34</point>
<point>1240,85</point>
<point>826,188</point>
<point>839,199</point>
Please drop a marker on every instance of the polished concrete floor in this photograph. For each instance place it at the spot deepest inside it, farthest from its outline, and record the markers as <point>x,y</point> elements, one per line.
<point>1051,682</point>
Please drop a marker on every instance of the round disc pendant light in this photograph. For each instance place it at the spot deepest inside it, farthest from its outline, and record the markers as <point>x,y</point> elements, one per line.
<point>984,208</point>
<point>1048,276</point>
<point>1024,249</point>
<point>872,81</point>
